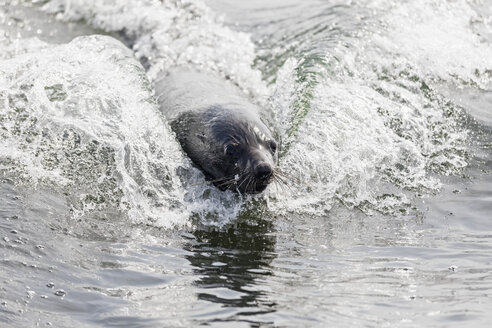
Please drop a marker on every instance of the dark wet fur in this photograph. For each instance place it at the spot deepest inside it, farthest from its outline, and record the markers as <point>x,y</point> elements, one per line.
<point>234,149</point>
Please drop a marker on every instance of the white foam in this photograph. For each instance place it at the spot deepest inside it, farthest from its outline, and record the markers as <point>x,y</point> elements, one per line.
<point>438,38</point>
<point>93,127</point>
<point>176,33</point>
<point>374,129</point>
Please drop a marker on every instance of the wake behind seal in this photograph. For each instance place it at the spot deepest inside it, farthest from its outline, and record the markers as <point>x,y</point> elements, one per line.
<point>219,129</point>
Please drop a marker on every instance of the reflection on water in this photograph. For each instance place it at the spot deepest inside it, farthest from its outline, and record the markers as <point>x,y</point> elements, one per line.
<point>229,262</point>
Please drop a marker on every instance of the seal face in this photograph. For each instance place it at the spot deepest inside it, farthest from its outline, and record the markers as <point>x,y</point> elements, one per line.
<point>234,151</point>
<point>220,131</point>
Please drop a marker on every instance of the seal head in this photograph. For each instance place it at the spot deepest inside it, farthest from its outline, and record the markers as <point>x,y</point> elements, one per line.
<point>232,146</point>
<point>219,129</point>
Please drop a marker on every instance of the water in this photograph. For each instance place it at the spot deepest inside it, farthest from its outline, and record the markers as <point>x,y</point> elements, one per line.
<point>381,109</point>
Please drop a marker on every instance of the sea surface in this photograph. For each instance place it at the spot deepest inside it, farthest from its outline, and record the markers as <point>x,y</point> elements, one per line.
<point>383,113</point>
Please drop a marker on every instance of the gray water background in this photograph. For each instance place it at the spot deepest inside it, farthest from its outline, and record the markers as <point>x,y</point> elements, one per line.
<point>430,266</point>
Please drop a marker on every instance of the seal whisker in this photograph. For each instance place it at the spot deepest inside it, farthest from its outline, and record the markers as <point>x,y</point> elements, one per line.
<point>227,183</point>
<point>239,186</point>
<point>242,182</point>
<point>252,181</point>
<point>282,183</point>
<point>212,181</point>
<point>277,184</point>
<point>279,177</point>
<point>289,177</point>
<point>235,179</point>
<point>284,174</point>
<point>245,180</point>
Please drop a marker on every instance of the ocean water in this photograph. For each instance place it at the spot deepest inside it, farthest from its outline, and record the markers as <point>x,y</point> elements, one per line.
<point>383,114</point>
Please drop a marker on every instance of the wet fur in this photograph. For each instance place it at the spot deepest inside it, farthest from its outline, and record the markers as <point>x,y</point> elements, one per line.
<point>222,133</point>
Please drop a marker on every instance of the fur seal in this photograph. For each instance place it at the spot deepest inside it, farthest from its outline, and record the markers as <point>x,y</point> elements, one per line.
<point>219,129</point>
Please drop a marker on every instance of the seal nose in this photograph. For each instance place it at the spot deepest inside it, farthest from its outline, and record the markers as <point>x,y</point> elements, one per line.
<point>263,171</point>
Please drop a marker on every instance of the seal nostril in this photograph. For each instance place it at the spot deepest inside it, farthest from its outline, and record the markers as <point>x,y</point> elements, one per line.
<point>263,171</point>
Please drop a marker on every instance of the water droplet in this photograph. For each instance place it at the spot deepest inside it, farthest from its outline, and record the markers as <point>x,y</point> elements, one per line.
<point>60,292</point>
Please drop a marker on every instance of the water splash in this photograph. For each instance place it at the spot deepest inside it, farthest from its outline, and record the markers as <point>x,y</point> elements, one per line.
<point>173,33</point>
<point>81,118</point>
<point>376,130</point>
<point>361,119</point>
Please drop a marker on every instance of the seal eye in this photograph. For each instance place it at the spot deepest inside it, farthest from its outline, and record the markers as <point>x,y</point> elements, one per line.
<point>230,149</point>
<point>273,146</point>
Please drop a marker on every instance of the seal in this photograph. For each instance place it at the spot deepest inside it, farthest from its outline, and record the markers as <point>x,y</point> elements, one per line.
<point>219,129</point>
